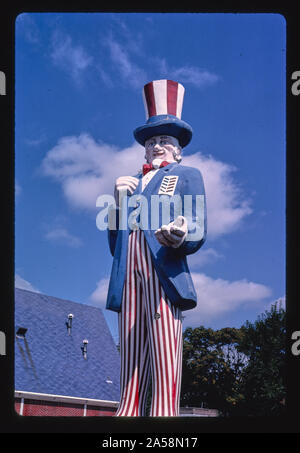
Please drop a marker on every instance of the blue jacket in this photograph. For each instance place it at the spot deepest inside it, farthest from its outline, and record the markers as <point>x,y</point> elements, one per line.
<point>169,263</point>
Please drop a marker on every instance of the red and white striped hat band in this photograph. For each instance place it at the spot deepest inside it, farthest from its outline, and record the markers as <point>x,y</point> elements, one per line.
<point>163,97</point>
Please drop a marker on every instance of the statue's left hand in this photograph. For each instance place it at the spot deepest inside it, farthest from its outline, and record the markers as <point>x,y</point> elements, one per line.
<point>173,234</point>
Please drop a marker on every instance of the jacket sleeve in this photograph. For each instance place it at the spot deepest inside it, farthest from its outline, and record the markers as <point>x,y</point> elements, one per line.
<point>112,231</point>
<point>194,211</point>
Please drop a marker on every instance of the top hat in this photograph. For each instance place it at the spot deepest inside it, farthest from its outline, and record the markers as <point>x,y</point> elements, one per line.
<point>163,101</point>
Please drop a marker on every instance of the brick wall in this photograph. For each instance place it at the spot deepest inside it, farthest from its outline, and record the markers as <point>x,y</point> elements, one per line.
<point>58,409</point>
<point>40,407</point>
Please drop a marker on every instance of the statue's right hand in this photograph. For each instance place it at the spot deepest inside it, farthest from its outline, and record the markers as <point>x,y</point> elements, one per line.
<point>125,183</point>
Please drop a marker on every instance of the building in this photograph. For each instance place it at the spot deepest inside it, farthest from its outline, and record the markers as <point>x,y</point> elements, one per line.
<point>58,372</point>
<point>198,412</point>
<point>66,362</point>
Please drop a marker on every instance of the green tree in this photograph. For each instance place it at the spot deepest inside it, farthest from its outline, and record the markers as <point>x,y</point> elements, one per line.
<point>212,368</point>
<point>263,380</point>
<point>237,371</point>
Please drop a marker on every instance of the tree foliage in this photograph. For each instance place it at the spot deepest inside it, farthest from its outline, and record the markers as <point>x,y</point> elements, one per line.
<point>211,368</point>
<point>264,383</point>
<point>238,371</point>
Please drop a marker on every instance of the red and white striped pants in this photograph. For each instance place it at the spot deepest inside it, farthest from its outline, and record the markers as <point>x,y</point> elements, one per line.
<point>150,330</point>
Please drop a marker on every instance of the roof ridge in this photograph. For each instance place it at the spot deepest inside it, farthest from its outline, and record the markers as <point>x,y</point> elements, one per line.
<point>58,298</point>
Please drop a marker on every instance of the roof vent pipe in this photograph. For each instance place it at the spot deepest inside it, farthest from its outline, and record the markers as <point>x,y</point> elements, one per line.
<point>84,348</point>
<point>69,323</point>
<point>21,332</point>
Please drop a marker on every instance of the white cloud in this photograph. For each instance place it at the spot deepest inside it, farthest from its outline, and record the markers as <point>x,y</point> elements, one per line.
<point>226,203</point>
<point>98,297</point>
<point>280,302</point>
<point>217,297</point>
<point>104,76</point>
<point>134,75</point>
<point>204,257</point>
<point>18,189</point>
<point>24,284</point>
<point>36,141</point>
<point>195,76</point>
<point>72,58</point>
<point>87,169</point>
<point>192,75</point>
<point>26,26</point>
<point>124,52</point>
<point>63,236</point>
<point>56,231</point>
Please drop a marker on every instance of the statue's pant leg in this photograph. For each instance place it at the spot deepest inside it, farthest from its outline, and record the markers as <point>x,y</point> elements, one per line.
<point>150,338</point>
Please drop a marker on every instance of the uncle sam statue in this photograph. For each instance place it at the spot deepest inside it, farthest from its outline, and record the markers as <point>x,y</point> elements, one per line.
<point>150,283</point>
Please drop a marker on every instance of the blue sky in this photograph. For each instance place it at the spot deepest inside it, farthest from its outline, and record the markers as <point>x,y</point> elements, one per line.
<point>79,81</point>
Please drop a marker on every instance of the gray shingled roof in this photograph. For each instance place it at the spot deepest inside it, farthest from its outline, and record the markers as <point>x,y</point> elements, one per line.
<point>48,360</point>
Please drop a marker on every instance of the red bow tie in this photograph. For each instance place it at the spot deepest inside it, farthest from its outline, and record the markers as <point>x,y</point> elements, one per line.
<point>148,167</point>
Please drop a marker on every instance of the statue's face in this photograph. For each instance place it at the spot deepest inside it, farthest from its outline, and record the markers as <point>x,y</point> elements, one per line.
<point>161,147</point>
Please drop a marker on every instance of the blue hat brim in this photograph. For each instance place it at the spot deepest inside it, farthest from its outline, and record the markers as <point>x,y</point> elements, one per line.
<point>164,125</point>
